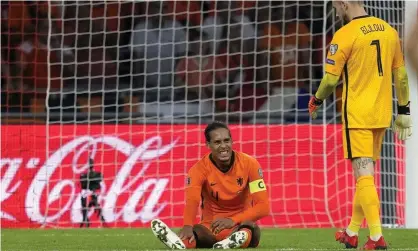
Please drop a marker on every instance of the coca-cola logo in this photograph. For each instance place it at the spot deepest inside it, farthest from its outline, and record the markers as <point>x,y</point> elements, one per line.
<point>40,170</point>
<point>44,192</point>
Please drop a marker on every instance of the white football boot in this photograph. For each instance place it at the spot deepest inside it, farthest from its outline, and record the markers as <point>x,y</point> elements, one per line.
<point>166,236</point>
<point>235,240</point>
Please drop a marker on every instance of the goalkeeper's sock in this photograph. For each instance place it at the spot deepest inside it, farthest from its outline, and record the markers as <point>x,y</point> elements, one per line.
<point>357,216</point>
<point>371,205</point>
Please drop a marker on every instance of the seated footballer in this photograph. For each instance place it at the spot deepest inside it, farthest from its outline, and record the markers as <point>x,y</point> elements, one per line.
<point>230,190</point>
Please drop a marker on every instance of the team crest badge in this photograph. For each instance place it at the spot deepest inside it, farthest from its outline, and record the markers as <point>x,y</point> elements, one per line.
<point>333,48</point>
<point>240,180</point>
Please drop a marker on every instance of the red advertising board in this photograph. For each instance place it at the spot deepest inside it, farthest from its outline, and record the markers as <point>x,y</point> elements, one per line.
<point>144,169</point>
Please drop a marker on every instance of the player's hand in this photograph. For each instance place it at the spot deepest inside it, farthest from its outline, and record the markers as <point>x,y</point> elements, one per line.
<point>403,126</point>
<point>314,105</point>
<point>403,123</point>
<point>186,233</point>
<point>222,223</point>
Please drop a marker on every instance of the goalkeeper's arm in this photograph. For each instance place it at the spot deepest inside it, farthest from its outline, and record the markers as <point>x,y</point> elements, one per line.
<point>403,123</point>
<point>326,88</point>
<point>401,86</point>
<point>412,48</point>
<point>328,84</point>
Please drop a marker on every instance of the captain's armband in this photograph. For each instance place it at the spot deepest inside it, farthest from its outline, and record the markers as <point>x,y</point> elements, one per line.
<point>257,186</point>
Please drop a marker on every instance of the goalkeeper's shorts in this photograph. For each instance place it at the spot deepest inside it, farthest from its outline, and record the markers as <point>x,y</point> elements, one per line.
<point>363,142</point>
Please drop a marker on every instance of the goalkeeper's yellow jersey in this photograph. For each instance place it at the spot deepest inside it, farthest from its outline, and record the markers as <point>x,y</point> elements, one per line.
<point>365,51</point>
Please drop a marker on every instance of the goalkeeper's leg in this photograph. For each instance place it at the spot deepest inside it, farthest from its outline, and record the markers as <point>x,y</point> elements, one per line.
<point>362,146</point>
<point>349,236</point>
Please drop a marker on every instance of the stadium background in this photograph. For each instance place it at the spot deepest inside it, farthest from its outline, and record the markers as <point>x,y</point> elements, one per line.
<point>79,79</point>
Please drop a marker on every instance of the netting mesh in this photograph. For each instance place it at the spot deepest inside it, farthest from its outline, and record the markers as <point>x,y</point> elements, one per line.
<point>110,79</point>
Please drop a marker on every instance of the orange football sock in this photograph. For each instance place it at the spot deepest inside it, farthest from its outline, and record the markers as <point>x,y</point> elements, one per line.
<point>250,235</point>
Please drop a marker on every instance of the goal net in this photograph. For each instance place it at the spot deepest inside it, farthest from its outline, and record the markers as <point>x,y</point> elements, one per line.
<point>132,85</point>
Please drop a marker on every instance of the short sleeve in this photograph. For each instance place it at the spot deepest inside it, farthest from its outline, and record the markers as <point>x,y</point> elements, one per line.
<point>398,60</point>
<point>255,177</point>
<point>338,53</point>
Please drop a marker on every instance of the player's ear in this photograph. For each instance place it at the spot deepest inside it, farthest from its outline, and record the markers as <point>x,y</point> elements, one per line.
<point>344,5</point>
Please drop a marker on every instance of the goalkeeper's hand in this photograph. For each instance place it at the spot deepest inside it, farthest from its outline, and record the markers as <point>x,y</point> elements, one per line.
<point>314,105</point>
<point>403,123</point>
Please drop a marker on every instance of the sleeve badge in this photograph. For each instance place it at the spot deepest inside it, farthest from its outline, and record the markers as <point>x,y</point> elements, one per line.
<point>330,61</point>
<point>260,172</point>
<point>333,48</point>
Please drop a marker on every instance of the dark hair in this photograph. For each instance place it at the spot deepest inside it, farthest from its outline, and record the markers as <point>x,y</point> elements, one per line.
<point>213,126</point>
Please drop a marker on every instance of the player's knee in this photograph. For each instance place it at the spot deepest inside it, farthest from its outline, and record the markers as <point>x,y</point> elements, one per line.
<point>255,232</point>
<point>204,237</point>
<point>363,166</point>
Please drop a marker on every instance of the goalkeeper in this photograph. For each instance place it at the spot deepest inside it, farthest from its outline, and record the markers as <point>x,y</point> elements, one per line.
<point>367,52</point>
<point>230,187</point>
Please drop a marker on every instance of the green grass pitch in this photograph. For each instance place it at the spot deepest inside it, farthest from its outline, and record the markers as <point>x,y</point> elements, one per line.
<point>143,239</point>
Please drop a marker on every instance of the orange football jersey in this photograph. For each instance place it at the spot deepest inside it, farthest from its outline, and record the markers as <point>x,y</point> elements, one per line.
<point>239,194</point>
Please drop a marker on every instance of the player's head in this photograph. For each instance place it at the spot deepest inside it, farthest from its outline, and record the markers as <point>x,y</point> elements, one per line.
<point>219,140</point>
<point>347,10</point>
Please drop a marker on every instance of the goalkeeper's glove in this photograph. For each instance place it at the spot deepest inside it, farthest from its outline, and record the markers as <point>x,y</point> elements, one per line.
<point>314,105</point>
<point>403,123</point>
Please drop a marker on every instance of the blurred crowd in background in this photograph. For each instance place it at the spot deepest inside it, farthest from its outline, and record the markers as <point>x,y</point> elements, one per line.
<point>205,57</point>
